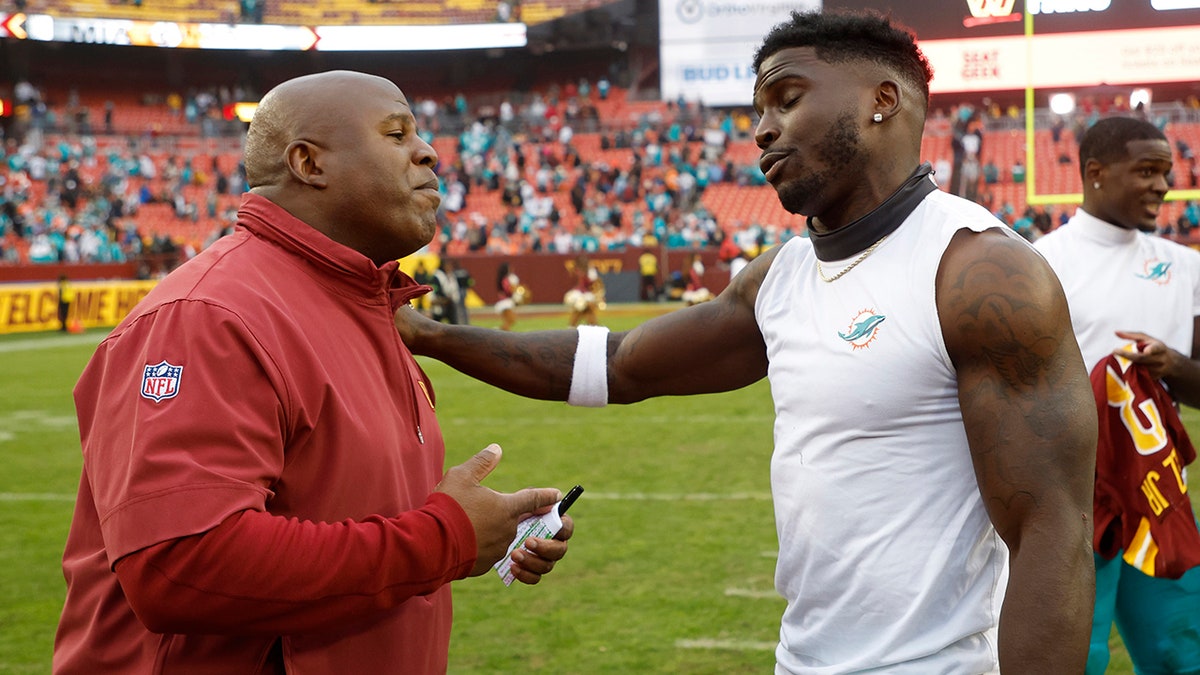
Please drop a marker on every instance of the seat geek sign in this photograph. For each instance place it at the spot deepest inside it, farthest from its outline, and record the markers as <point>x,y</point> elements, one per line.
<point>980,45</point>
<point>958,19</point>
<point>1131,57</point>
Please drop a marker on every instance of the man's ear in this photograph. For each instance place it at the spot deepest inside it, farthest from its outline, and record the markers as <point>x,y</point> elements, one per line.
<point>1093,171</point>
<point>303,161</point>
<point>887,99</point>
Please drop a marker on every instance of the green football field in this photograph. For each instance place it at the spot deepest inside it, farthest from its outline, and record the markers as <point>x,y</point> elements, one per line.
<point>670,569</point>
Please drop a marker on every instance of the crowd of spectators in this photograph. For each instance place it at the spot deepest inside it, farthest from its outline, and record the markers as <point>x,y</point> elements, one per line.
<point>974,174</point>
<point>62,217</point>
<point>198,110</point>
<point>557,196</point>
<point>546,172</point>
<point>64,198</point>
<point>523,154</point>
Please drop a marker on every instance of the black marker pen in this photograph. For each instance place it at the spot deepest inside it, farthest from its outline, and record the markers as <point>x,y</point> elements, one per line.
<point>544,526</point>
<point>567,501</point>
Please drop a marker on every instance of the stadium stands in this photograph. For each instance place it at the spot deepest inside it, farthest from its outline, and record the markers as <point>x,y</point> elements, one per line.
<point>192,184</point>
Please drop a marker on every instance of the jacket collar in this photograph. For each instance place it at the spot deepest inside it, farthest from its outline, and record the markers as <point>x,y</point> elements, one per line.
<point>337,265</point>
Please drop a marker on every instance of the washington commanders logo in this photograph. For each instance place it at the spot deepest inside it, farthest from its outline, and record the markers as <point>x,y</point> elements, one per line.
<point>1157,271</point>
<point>160,381</point>
<point>981,9</point>
<point>863,329</point>
<point>984,12</point>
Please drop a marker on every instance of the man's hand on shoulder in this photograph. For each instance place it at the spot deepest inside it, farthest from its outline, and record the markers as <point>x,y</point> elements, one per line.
<point>414,327</point>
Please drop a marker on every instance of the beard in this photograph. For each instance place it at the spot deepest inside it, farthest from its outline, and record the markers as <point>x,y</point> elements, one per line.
<point>838,151</point>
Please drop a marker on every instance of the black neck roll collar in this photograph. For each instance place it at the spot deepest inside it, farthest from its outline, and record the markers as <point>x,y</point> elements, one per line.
<point>857,236</point>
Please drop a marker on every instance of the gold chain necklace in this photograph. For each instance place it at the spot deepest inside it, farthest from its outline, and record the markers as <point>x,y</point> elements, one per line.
<point>839,275</point>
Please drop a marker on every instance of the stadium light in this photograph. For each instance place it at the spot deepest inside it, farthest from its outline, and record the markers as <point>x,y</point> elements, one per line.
<point>242,111</point>
<point>1141,96</point>
<point>1062,103</point>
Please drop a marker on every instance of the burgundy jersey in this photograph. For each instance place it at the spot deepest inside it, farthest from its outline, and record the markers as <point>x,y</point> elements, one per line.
<point>1141,501</point>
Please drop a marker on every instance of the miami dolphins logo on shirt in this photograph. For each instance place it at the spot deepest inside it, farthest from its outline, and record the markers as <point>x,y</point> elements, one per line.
<point>863,329</point>
<point>1157,271</point>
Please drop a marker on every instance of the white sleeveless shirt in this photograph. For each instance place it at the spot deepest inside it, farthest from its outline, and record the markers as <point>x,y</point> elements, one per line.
<point>887,559</point>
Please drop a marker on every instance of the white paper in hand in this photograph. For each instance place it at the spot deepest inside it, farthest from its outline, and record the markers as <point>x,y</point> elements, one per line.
<point>544,526</point>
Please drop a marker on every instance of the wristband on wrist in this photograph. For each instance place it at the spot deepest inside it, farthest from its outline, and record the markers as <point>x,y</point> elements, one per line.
<point>589,378</point>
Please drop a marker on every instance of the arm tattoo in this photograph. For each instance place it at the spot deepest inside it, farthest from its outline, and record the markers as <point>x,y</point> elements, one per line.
<point>1010,340</point>
<point>536,364</point>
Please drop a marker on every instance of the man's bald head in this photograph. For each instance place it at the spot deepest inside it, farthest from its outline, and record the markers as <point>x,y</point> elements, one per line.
<point>305,108</point>
<point>341,152</point>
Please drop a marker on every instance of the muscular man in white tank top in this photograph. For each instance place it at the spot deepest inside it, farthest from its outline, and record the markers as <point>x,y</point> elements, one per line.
<point>935,433</point>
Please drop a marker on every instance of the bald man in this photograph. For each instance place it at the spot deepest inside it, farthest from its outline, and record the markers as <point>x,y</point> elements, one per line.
<point>262,486</point>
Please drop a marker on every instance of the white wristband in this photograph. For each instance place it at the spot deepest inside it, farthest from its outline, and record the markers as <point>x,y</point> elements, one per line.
<point>589,379</point>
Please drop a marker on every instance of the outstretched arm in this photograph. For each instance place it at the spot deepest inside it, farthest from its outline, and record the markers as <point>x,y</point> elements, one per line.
<point>1031,424</point>
<point>709,347</point>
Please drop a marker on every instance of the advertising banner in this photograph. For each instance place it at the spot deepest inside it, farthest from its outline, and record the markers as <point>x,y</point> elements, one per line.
<point>706,47</point>
<point>34,307</point>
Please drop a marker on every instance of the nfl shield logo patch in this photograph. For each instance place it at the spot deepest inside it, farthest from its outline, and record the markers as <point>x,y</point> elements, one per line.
<point>161,381</point>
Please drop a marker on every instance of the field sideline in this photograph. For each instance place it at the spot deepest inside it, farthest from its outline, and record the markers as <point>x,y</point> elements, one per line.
<point>670,570</point>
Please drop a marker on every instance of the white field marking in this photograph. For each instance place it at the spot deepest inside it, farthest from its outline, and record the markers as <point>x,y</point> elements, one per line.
<point>28,421</point>
<point>36,497</point>
<point>751,593</point>
<point>680,497</point>
<point>733,645</point>
<point>533,420</point>
<point>26,417</point>
<point>768,554</point>
<point>31,344</point>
